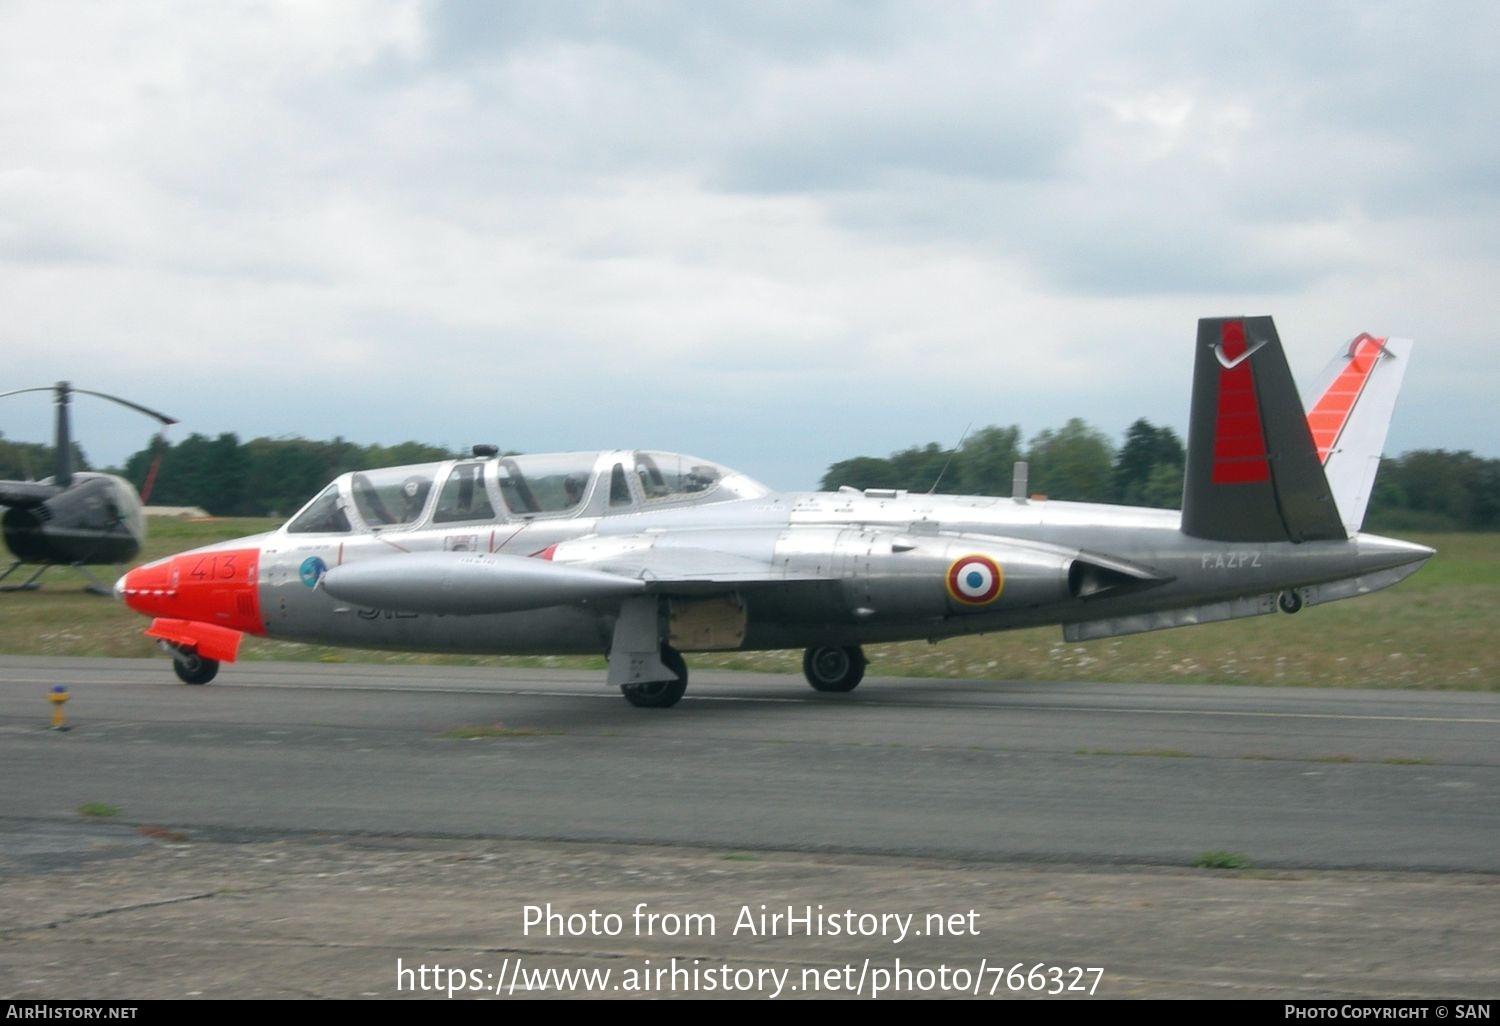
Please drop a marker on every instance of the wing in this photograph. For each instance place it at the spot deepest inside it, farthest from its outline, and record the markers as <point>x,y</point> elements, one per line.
<point>702,560</point>
<point>689,570</point>
<point>582,571</point>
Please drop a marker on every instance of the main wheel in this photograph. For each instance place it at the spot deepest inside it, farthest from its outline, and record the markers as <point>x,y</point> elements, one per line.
<point>660,694</point>
<point>192,668</point>
<point>834,669</point>
<point>1289,601</point>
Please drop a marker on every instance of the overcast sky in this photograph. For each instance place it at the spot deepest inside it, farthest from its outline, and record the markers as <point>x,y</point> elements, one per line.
<point>772,234</point>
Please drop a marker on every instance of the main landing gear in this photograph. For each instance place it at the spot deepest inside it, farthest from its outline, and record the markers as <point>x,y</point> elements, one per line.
<point>834,669</point>
<point>660,694</point>
<point>827,668</point>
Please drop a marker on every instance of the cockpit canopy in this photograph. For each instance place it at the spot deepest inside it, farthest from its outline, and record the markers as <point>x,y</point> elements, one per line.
<point>509,488</point>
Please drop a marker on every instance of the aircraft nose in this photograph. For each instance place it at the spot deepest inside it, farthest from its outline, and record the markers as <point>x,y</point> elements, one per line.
<point>146,587</point>
<point>213,585</point>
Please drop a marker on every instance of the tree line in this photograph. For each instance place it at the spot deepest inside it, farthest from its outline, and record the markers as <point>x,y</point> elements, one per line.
<point>31,461</point>
<point>261,477</point>
<point>1074,461</point>
<point>1422,490</point>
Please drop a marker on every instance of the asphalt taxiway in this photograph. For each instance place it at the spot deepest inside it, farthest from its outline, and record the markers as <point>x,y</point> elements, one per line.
<point>285,829</point>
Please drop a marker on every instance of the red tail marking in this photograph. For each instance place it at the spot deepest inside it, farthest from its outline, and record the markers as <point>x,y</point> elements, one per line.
<point>1239,441</point>
<point>1330,414</point>
<point>161,443</point>
<point>150,479</point>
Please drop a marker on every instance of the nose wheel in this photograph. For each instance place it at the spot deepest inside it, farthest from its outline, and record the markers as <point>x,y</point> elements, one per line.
<point>192,668</point>
<point>834,669</point>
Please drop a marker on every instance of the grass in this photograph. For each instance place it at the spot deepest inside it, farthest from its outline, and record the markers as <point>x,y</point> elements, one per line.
<point>99,810</point>
<point>1221,860</point>
<point>61,619</point>
<point>1432,631</point>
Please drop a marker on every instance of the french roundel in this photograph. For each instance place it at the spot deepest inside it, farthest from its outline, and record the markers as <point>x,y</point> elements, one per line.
<point>975,580</point>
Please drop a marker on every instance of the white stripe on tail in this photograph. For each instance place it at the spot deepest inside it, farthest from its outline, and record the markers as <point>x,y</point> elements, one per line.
<point>1349,419</point>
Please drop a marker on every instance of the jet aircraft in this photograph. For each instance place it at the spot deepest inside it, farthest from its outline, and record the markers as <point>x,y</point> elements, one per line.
<point>647,555</point>
<point>74,518</point>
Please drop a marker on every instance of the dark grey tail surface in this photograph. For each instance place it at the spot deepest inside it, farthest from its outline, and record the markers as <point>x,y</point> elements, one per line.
<point>1253,472</point>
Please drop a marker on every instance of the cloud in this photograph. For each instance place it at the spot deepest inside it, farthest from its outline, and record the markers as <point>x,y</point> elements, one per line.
<point>772,234</point>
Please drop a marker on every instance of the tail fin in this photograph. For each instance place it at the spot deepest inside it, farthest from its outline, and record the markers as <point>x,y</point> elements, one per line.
<point>1252,472</point>
<point>1356,396</point>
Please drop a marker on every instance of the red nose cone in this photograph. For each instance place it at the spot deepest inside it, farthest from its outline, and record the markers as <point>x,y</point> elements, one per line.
<point>220,587</point>
<point>147,589</point>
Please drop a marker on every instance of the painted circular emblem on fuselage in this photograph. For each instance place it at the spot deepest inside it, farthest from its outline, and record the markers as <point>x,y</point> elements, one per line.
<point>312,571</point>
<point>975,580</point>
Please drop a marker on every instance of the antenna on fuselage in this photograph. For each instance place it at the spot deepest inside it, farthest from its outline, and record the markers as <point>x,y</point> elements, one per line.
<point>951,453</point>
<point>1018,474</point>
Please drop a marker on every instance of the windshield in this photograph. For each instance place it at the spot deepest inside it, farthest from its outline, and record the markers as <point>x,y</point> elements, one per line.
<point>324,515</point>
<point>394,496</point>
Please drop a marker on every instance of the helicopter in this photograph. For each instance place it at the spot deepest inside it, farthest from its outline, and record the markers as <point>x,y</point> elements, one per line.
<point>75,518</point>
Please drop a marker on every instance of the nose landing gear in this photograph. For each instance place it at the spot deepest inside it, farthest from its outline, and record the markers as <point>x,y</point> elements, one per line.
<point>191,667</point>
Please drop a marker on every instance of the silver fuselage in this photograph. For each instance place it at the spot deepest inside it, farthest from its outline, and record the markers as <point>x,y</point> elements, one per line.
<point>791,569</point>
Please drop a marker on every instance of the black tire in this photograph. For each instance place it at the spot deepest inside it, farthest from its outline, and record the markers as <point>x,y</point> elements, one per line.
<point>192,668</point>
<point>660,694</point>
<point>828,668</point>
<point>1289,601</point>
